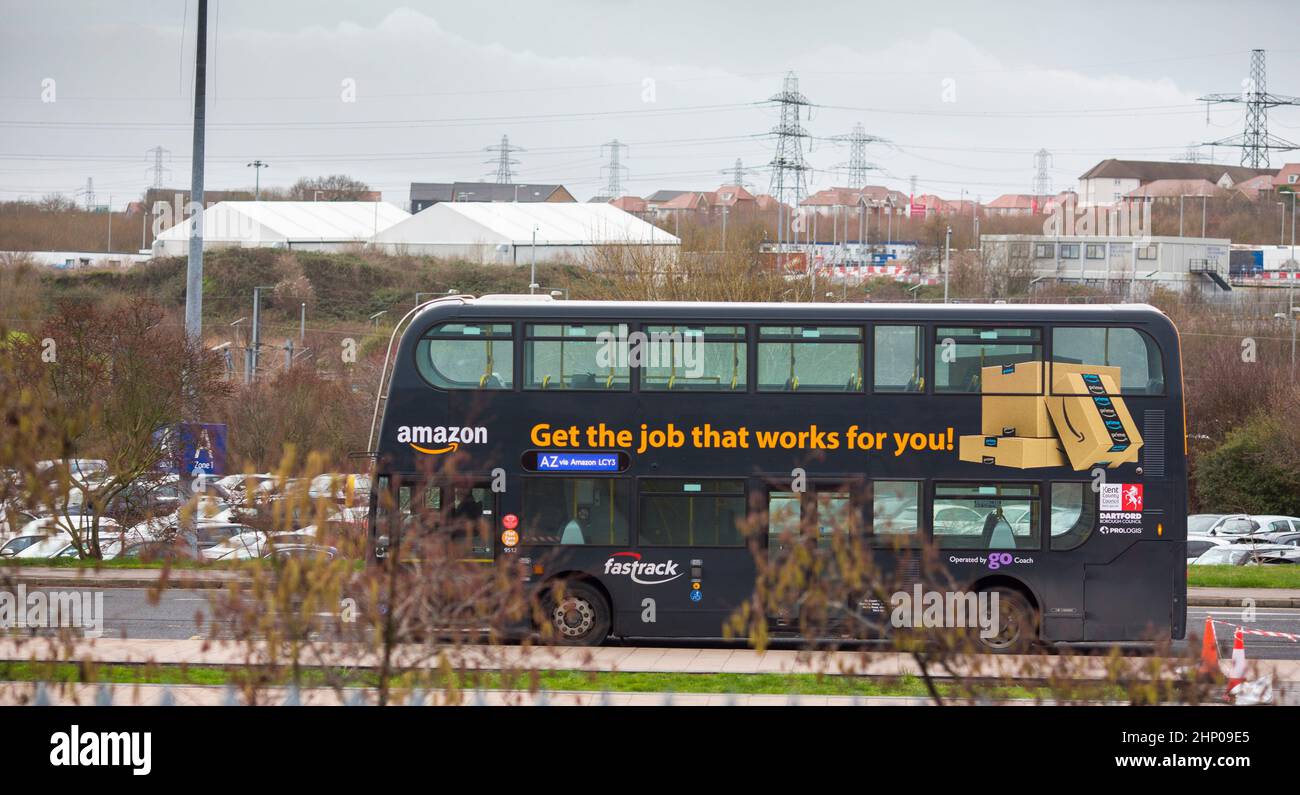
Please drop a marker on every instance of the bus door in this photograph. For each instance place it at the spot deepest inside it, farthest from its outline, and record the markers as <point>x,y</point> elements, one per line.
<point>453,515</point>
<point>812,519</point>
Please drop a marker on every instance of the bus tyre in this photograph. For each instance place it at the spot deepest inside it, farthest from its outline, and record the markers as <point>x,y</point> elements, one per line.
<point>1017,623</point>
<point>579,616</point>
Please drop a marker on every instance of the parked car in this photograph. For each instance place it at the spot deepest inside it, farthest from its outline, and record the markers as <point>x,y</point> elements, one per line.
<point>346,489</point>
<point>1232,524</point>
<point>179,546</point>
<point>1199,544</point>
<point>44,527</point>
<point>19,543</point>
<point>1202,523</point>
<point>1248,555</point>
<point>84,469</point>
<point>242,546</point>
<point>12,520</point>
<point>1283,539</point>
<point>1276,524</point>
<point>284,552</point>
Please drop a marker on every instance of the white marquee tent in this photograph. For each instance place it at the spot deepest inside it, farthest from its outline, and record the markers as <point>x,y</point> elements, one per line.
<point>503,232</point>
<point>314,226</point>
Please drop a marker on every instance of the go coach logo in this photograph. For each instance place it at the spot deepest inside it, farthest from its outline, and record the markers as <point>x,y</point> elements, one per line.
<point>999,559</point>
<point>439,439</point>
<point>635,568</point>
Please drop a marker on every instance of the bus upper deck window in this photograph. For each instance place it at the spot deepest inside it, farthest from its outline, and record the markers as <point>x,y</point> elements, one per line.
<point>698,358</point>
<point>810,359</point>
<point>1133,352</point>
<point>961,354</point>
<point>899,359</point>
<point>467,356</point>
<point>576,356</point>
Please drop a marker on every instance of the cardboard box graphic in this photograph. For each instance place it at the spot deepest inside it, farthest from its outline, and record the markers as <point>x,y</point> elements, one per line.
<point>1020,413</point>
<point>1091,420</point>
<point>1061,371</point>
<point>1012,451</point>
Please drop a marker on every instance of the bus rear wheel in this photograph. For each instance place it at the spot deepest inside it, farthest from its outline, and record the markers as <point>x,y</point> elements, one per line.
<point>1017,623</point>
<point>579,616</point>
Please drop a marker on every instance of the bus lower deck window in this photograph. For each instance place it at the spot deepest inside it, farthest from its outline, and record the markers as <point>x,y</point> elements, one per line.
<point>570,511</point>
<point>689,513</point>
<point>986,516</point>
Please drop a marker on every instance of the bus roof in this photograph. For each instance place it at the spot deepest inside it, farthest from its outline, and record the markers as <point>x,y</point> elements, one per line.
<point>546,306</point>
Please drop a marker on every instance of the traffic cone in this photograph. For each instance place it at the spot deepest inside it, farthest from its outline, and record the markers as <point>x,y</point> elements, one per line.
<point>1238,674</point>
<point>1210,650</point>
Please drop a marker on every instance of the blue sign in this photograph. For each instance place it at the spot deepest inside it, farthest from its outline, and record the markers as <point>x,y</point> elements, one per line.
<point>577,462</point>
<point>195,448</point>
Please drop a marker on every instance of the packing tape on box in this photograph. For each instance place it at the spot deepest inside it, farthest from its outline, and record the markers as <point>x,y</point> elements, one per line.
<point>1119,440</point>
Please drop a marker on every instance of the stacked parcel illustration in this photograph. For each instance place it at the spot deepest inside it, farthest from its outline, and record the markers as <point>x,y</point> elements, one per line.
<point>1048,414</point>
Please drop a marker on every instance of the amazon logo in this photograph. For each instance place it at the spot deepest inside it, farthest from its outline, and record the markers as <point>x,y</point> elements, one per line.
<point>440,439</point>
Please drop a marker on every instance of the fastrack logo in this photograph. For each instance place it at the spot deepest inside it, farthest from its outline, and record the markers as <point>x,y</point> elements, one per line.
<point>636,568</point>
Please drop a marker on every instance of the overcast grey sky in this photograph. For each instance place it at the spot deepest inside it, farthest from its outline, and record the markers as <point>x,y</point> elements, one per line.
<point>965,92</point>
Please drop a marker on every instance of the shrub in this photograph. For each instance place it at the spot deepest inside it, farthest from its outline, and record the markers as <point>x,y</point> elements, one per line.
<point>1254,470</point>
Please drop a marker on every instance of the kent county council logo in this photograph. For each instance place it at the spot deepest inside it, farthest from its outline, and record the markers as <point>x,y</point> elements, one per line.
<point>1121,497</point>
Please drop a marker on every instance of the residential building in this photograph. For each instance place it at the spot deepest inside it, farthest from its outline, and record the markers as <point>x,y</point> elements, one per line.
<point>427,194</point>
<point>1012,204</point>
<point>1288,177</point>
<point>1110,181</point>
<point>1169,191</point>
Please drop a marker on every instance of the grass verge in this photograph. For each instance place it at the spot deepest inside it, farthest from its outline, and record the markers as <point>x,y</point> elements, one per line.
<point>549,680</point>
<point>1243,576</point>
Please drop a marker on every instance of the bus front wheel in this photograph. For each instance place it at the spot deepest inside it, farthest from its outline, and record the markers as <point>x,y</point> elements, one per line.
<point>1017,628</point>
<point>579,616</point>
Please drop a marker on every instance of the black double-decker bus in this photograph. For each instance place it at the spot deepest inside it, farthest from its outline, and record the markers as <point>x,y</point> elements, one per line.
<point>1040,449</point>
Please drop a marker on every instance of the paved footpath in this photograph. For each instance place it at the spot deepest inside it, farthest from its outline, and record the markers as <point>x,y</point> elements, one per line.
<point>1009,667</point>
<point>60,577</point>
<point>25,693</point>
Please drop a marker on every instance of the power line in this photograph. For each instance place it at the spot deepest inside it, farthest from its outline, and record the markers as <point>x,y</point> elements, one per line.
<point>158,168</point>
<point>614,189</point>
<point>789,181</point>
<point>1042,178</point>
<point>737,173</point>
<point>1255,140</point>
<point>503,160</point>
<point>858,166</point>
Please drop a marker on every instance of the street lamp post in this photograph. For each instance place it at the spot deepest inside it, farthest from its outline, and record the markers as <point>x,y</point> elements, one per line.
<point>257,329</point>
<point>257,166</point>
<point>947,248</point>
<point>532,278</point>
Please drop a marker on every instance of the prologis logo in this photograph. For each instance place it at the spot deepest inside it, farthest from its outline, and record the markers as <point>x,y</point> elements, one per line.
<point>439,439</point>
<point>636,568</point>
